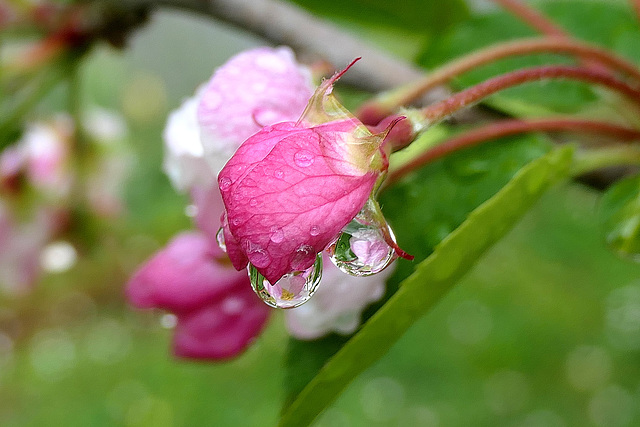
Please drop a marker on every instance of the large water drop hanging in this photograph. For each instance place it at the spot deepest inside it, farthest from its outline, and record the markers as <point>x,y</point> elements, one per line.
<point>363,249</point>
<point>220,239</point>
<point>292,290</point>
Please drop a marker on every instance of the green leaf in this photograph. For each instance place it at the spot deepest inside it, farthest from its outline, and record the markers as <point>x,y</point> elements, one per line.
<point>432,278</point>
<point>605,23</point>
<point>619,215</point>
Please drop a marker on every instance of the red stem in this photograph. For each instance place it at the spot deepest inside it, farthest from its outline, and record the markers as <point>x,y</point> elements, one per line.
<point>532,17</point>
<point>510,127</point>
<point>440,110</point>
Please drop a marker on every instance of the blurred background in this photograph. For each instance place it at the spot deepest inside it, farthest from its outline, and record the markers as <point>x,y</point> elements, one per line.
<point>544,331</point>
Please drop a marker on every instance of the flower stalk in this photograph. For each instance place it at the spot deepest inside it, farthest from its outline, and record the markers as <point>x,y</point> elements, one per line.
<point>439,111</point>
<point>512,127</point>
<point>386,103</point>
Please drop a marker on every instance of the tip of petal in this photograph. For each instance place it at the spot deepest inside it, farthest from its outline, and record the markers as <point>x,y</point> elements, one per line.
<point>339,74</point>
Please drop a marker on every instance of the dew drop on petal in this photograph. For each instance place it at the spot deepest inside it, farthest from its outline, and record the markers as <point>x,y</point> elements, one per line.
<point>279,174</point>
<point>277,235</point>
<point>220,239</point>
<point>314,231</point>
<point>304,256</point>
<point>253,203</point>
<point>259,257</point>
<point>303,158</point>
<point>225,183</point>
<point>292,290</point>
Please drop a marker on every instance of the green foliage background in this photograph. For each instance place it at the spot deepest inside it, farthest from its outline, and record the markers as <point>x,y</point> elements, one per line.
<point>502,348</point>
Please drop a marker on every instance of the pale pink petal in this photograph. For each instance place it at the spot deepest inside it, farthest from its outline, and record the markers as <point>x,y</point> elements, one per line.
<point>184,156</point>
<point>255,88</point>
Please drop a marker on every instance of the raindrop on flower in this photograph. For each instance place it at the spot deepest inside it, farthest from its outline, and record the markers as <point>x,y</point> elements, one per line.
<point>277,235</point>
<point>304,256</point>
<point>220,239</point>
<point>225,183</point>
<point>303,158</point>
<point>292,290</point>
<point>259,257</point>
<point>314,231</point>
<point>362,249</point>
<point>279,173</point>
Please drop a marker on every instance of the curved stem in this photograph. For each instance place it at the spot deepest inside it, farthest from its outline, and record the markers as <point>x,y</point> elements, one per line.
<point>410,93</point>
<point>436,112</point>
<point>532,17</point>
<point>510,127</point>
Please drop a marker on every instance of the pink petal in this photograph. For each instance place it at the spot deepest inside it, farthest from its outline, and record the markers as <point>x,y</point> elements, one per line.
<point>282,183</point>
<point>221,330</point>
<point>184,275</point>
<point>255,88</point>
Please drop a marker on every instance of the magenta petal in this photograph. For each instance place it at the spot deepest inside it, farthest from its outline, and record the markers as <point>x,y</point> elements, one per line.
<point>287,195</point>
<point>221,330</point>
<point>182,276</point>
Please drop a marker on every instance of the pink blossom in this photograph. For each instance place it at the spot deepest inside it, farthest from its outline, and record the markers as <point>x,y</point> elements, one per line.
<point>46,146</point>
<point>253,89</point>
<point>292,187</point>
<point>218,313</point>
<point>337,304</point>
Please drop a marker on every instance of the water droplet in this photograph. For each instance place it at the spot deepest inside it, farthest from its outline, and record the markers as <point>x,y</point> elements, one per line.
<point>220,239</point>
<point>279,173</point>
<point>258,256</point>
<point>362,249</point>
<point>224,183</point>
<point>303,158</point>
<point>235,221</point>
<point>315,230</point>
<point>303,257</point>
<point>292,290</point>
<point>277,235</point>
<point>253,203</point>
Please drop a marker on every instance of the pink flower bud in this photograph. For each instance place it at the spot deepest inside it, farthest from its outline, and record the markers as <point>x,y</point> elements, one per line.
<point>218,313</point>
<point>292,187</point>
<point>255,88</point>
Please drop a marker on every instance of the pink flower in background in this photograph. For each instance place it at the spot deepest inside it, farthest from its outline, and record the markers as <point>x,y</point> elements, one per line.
<point>46,151</point>
<point>218,313</point>
<point>255,88</point>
